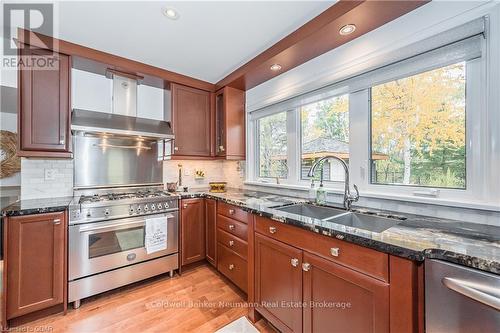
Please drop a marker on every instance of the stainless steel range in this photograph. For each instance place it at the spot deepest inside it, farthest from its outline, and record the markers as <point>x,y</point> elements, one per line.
<point>107,238</point>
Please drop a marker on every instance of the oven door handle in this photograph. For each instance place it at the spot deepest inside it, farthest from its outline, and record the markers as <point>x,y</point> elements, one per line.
<point>118,226</point>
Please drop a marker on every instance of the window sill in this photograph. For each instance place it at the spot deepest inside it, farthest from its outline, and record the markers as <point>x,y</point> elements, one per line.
<point>383,195</point>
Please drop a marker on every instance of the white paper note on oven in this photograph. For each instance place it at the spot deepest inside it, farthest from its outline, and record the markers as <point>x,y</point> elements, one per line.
<point>156,234</point>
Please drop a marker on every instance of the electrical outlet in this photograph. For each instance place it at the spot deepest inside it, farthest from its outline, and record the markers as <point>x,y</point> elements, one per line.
<point>50,174</point>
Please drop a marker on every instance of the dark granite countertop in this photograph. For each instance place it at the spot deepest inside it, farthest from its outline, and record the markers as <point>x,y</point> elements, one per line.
<point>37,206</point>
<point>416,238</point>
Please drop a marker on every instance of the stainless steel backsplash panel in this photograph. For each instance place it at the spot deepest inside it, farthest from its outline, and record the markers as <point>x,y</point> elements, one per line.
<point>104,162</point>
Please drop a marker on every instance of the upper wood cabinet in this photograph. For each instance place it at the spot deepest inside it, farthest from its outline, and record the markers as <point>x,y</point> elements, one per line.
<point>230,123</point>
<point>211,230</point>
<point>35,252</point>
<point>44,106</point>
<point>192,230</point>
<point>192,122</point>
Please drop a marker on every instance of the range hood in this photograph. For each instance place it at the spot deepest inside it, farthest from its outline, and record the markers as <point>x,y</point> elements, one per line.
<point>123,120</point>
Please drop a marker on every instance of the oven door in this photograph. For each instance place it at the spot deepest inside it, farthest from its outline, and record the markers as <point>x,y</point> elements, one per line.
<point>102,246</point>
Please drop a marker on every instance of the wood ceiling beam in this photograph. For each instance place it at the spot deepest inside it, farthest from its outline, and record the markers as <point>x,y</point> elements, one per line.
<point>316,37</point>
<point>92,59</point>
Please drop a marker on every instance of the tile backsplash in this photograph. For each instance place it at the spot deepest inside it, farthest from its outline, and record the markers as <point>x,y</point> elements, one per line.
<point>46,178</point>
<point>231,172</point>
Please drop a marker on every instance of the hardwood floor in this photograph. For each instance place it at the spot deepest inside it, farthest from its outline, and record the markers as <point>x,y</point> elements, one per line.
<point>200,300</point>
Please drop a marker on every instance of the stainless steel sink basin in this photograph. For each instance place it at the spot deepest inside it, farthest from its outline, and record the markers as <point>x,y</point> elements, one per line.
<point>313,211</point>
<point>366,222</point>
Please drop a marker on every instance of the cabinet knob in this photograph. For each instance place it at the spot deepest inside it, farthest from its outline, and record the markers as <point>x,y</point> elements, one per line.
<point>272,230</point>
<point>61,142</point>
<point>185,206</point>
<point>231,227</point>
<point>221,148</point>
<point>176,148</point>
<point>306,267</point>
<point>294,262</point>
<point>231,242</point>
<point>57,221</point>
<point>231,267</point>
<point>335,251</point>
<point>232,211</point>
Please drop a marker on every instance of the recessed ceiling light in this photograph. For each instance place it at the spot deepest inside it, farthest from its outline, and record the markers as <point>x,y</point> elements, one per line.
<point>347,29</point>
<point>275,67</point>
<point>170,13</point>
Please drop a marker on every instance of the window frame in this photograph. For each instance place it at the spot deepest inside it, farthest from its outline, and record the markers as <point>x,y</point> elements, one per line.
<point>478,133</point>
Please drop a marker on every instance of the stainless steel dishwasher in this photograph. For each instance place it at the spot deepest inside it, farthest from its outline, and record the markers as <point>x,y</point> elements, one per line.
<point>460,299</point>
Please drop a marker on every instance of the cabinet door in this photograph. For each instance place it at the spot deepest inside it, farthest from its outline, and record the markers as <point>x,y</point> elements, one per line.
<point>278,283</point>
<point>191,121</point>
<point>210,220</point>
<point>192,230</point>
<point>35,262</point>
<point>220,124</point>
<point>44,106</point>
<point>339,299</point>
<point>230,123</point>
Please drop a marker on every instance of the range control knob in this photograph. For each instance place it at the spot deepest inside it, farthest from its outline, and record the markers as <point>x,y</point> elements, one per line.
<point>88,214</point>
<point>146,208</point>
<point>139,209</point>
<point>153,207</point>
<point>106,212</point>
<point>166,205</point>
<point>159,206</point>
<point>131,210</point>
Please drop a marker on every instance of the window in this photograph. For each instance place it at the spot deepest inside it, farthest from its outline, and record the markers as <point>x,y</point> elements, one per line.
<point>325,132</point>
<point>418,125</point>
<point>418,129</point>
<point>272,146</point>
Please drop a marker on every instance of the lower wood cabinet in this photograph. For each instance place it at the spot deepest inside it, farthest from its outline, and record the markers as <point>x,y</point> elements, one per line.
<point>35,263</point>
<point>211,230</point>
<point>192,230</point>
<point>278,283</point>
<point>306,282</point>
<point>339,299</point>
<point>302,292</point>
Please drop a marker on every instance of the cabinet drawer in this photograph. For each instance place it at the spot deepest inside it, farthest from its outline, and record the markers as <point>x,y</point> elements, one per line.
<point>233,212</point>
<point>232,242</point>
<point>232,266</point>
<point>359,258</point>
<point>232,226</point>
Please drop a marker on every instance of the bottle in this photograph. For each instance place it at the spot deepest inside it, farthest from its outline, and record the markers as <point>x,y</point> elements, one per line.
<point>321,195</point>
<point>312,191</point>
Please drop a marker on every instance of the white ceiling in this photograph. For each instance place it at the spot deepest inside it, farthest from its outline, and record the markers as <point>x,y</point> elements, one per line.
<point>208,41</point>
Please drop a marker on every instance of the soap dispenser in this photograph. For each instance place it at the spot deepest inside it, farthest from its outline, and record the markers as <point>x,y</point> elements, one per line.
<point>321,195</point>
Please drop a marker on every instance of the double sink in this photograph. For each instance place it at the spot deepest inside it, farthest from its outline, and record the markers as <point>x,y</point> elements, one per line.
<point>366,221</point>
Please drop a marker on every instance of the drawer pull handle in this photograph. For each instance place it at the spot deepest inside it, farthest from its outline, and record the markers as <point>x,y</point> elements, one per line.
<point>232,211</point>
<point>306,267</point>
<point>272,230</point>
<point>231,267</point>
<point>294,262</point>
<point>57,221</point>
<point>231,242</point>
<point>185,206</point>
<point>231,227</point>
<point>335,251</point>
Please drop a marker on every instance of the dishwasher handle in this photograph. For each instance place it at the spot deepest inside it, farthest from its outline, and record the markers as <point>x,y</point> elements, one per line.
<point>472,290</point>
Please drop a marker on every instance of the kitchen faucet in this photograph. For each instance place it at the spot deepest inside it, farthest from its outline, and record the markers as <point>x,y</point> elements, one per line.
<point>348,197</point>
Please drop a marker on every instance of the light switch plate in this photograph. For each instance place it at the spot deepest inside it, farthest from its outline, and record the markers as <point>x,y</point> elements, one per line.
<point>50,174</point>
